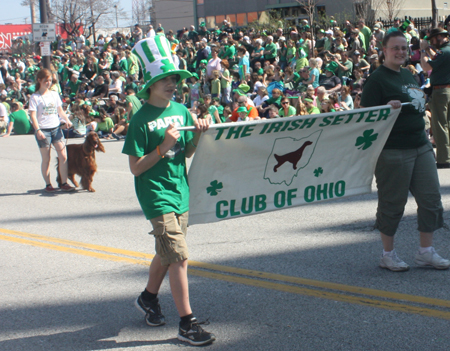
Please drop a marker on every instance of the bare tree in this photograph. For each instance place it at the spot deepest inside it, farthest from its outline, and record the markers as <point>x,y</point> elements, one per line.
<point>76,14</point>
<point>365,9</point>
<point>310,7</point>
<point>141,11</point>
<point>388,8</point>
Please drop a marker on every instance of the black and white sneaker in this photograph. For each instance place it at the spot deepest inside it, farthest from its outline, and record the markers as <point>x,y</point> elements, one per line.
<point>152,311</point>
<point>194,334</point>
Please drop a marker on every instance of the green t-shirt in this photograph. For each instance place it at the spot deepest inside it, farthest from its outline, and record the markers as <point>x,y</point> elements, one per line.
<point>21,122</point>
<point>164,187</point>
<point>440,75</point>
<point>123,65</point>
<point>291,111</point>
<point>133,66</point>
<point>105,125</point>
<point>131,86</point>
<point>215,86</point>
<point>313,111</point>
<point>320,43</point>
<point>212,110</point>
<point>273,100</point>
<point>385,85</point>
<point>272,47</point>
<point>348,73</point>
<point>230,53</point>
<point>223,82</point>
<point>367,34</point>
<point>300,63</point>
<point>135,105</point>
<point>290,55</point>
<point>74,86</point>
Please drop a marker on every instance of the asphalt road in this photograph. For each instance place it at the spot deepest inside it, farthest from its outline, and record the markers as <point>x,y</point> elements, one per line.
<point>305,278</point>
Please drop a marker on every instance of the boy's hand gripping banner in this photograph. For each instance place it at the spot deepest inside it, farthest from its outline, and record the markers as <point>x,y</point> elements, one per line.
<point>247,168</point>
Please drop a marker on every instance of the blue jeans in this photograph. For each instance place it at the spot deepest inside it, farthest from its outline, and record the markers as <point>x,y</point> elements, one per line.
<point>52,136</point>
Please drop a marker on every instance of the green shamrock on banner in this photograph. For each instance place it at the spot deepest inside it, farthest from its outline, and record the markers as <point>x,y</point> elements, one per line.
<point>215,188</point>
<point>365,141</point>
<point>318,171</point>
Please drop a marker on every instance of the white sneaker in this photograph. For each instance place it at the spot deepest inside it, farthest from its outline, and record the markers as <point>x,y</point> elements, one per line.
<point>392,262</point>
<point>431,258</point>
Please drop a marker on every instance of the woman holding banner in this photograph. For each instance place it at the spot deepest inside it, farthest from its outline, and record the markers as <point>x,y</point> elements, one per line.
<point>407,161</point>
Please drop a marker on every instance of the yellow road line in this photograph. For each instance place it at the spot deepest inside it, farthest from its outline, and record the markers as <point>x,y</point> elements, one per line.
<point>75,251</point>
<point>112,254</point>
<point>78,244</point>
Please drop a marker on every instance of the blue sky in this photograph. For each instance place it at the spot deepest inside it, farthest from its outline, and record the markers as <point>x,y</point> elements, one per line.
<point>15,13</point>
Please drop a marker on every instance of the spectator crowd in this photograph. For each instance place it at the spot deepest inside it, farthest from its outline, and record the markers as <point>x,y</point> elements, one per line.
<point>237,74</point>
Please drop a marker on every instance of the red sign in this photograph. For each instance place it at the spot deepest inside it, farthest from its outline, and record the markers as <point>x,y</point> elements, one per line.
<point>9,32</point>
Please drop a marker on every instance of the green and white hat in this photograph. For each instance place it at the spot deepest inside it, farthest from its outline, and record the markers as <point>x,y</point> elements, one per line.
<point>156,61</point>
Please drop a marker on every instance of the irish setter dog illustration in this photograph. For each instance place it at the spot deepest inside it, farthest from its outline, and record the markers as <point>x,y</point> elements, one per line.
<point>292,157</point>
<point>81,161</point>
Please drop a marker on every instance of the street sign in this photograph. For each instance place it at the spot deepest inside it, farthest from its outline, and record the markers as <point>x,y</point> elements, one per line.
<point>45,48</point>
<point>44,32</point>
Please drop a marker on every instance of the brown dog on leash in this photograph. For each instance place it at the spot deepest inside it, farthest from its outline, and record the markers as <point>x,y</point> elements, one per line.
<point>81,161</point>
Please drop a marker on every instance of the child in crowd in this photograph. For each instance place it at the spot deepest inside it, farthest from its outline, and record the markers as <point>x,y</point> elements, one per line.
<point>227,112</point>
<point>78,121</point>
<point>185,92</point>
<point>202,113</point>
<point>215,84</point>
<point>194,87</point>
<point>243,114</point>
<point>120,129</point>
<point>236,81</point>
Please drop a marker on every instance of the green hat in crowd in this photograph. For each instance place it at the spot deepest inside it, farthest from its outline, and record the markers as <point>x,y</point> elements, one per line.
<point>301,53</point>
<point>332,67</point>
<point>204,61</point>
<point>308,100</point>
<point>156,62</point>
<point>195,75</point>
<point>242,109</point>
<point>242,89</point>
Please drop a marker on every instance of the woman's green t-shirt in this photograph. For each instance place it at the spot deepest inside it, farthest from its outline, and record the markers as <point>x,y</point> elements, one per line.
<point>385,85</point>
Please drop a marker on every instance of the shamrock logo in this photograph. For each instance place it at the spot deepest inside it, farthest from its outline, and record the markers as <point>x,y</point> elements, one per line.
<point>147,76</point>
<point>167,66</point>
<point>215,188</point>
<point>365,141</point>
<point>318,172</point>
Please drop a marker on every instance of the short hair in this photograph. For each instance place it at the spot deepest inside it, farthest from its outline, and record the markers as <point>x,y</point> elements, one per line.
<point>242,98</point>
<point>321,90</point>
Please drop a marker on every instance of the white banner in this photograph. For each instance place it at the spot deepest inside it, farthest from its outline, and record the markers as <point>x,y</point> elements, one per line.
<point>252,167</point>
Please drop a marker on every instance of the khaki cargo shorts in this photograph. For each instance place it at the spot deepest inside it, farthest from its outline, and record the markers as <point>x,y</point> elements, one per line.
<point>170,237</point>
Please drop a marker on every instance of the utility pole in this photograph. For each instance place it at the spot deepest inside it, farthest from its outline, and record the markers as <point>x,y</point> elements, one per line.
<point>92,20</point>
<point>43,11</point>
<point>32,12</point>
<point>117,21</point>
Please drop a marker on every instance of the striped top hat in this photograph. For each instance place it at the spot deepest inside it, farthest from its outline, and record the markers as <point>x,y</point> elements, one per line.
<point>156,60</point>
